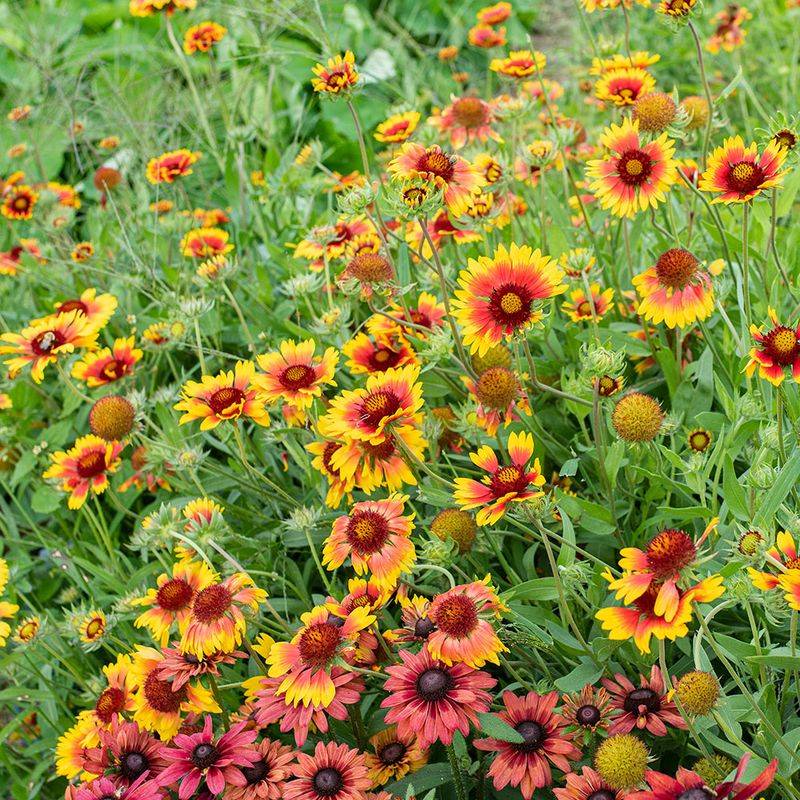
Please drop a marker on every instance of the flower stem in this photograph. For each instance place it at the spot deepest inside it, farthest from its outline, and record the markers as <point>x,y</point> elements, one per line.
<point>458,779</point>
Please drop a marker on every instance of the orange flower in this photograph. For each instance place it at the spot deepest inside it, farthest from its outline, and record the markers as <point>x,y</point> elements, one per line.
<point>108,365</point>
<point>225,396</point>
<point>502,485</point>
<point>18,202</point>
<point>97,308</point>
<point>203,37</point>
<point>737,173</point>
<point>205,242</point>
<point>398,127</point>
<point>45,340</point>
<point>82,251</point>
<point>338,77</point>
<point>494,15</point>
<point>624,86</point>
<point>455,176</point>
<point>146,8</point>
<point>466,119</point>
<point>294,375</point>
<point>168,166</point>
<point>519,64</point>
<point>84,467</point>
<point>775,352</point>
<point>581,308</point>
<point>367,355</point>
<point>486,37</point>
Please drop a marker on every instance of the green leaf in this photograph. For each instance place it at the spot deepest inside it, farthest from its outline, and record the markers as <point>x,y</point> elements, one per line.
<point>777,493</point>
<point>430,776</point>
<point>779,658</point>
<point>493,726</point>
<point>538,589</point>
<point>733,491</point>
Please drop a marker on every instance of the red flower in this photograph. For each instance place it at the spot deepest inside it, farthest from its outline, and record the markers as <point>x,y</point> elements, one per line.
<point>527,764</point>
<point>647,706</point>
<point>197,759</point>
<point>334,772</point>
<point>434,700</point>
<point>126,754</point>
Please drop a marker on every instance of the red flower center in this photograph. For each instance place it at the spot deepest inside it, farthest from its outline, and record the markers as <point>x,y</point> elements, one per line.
<point>174,595</point>
<point>115,369</point>
<point>212,603</point>
<point>676,267</point>
<point>433,684</point>
<point>670,552</point>
<point>533,733</point>
<point>508,479</point>
<point>383,358</point>
<point>381,451</point>
<point>224,399</point>
<point>46,342</point>
<point>438,163</point>
<point>584,309</point>
<point>420,318</point>
<point>367,532</point>
<point>510,305</point>
<point>91,464</point>
<point>327,455</point>
<point>378,405</point>
<point>457,616</point>
<point>470,112</point>
<point>781,345</point>
<point>72,305</point>
<point>634,167</point>
<point>298,376</point>
<point>94,629</point>
<point>643,697</point>
<point>160,697</point>
<point>318,644</point>
<point>745,177</point>
<point>110,703</point>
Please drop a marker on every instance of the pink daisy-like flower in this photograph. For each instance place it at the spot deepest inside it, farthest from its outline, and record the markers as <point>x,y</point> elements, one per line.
<point>126,754</point>
<point>334,772</point>
<point>644,707</point>
<point>266,778</point>
<point>466,119</point>
<point>200,759</point>
<point>527,764</point>
<point>433,700</point>
<point>102,788</point>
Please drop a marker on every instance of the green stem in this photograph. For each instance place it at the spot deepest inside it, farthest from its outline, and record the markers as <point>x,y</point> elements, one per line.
<point>458,779</point>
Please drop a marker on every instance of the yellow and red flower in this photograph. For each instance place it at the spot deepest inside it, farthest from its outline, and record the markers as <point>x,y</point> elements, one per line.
<point>676,290</point>
<point>205,243</point>
<point>623,87</point>
<point>45,340</point>
<point>516,482</point>
<point>101,367</point>
<point>519,64</point>
<point>158,704</point>
<point>225,396</point>
<point>429,314</point>
<point>641,622</point>
<point>84,467</point>
<point>305,662</point>
<point>117,697</point>
<point>775,352</point>
<point>201,38</point>
<point>216,622</point>
<point>486,37</point>
<point>736,173</point>
<point>376,536</point>
<point>581,308</point>
<point>466,120</point>
<point>170,603</point>
<point>398,127</point>
<point>338,76</point>
<point>440,229</point>
<point>74,746</point>
<point>729,33</point>
<point>500,396</point>
<point>169,166</point>
<point>497,295</point>
<point>393,756</point>
<point>367,354</point>
<point>338,486</point>
<point>389,405</point>
<point>495,14</point>
<point>146,8</point>
<point>455,176</point>
<point>98,309</point>
<point>634,175</point>
<point>18,202</point>
<point>783,552</point>
<point>463,630</point>
<point>82,251</point>
<point>293,373</point>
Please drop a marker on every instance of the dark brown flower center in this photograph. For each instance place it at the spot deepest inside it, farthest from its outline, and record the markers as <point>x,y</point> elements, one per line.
<point>378,405</point>
<point>639,698</point>
<point>508,479</point>
<point>423,628</point>
<point>533,734</point>
<point>434,684</point>
<point>367,532</point>
<point>212,603</point>
<point>256,773</point>
<point>384,450</point>
<point>510,305</point>
<point>298,376</point>
<point>745,177</point>
<point>457,616</point>
<point>318,643</point>
<point>204,755</point>
<point>47,341</point>
<point>383,358</point>
<point>603,794</point>
<point>174,595</point>
<point>392,753</point>
<point>588,715</point>
<point>695,794</point>
<point>438,163</point>
<point>224,399</point>
<point>328,782</point>
<point>92,464</point>
<point>160,697</point>
<point>132,765</point>
<point>634,167</point>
